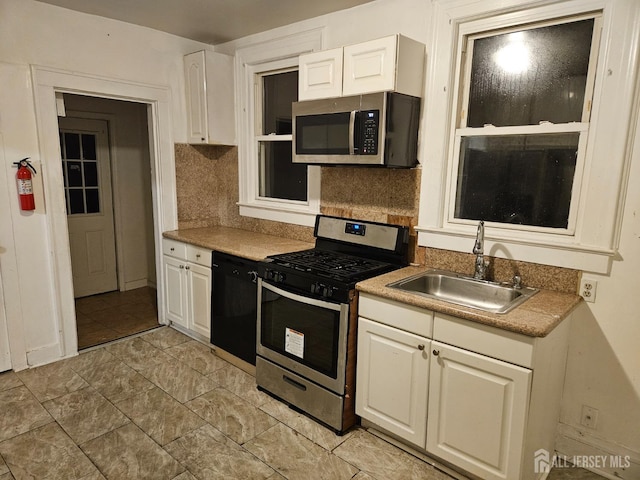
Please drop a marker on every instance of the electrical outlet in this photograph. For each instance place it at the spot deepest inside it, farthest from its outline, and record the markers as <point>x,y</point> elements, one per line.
<point>589,416</point>
<point>588,287</point>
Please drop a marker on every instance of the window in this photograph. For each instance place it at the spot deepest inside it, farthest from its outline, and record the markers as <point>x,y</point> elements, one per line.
<point>80,172</point>
<point>271,186</point>
<point>526,94</point>
<point>279,178</point>
<point>527,127</point>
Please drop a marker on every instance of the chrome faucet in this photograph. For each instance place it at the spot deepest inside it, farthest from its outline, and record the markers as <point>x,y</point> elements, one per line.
<point>480,271</point>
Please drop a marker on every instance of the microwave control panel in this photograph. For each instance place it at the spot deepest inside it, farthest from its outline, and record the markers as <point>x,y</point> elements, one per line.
<point>370,126</point>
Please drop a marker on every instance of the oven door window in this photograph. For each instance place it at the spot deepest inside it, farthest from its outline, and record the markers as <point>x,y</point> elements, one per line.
<point>304,332</point>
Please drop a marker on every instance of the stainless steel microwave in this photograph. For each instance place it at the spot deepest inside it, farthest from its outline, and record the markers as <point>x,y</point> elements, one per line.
<point>371,129</point>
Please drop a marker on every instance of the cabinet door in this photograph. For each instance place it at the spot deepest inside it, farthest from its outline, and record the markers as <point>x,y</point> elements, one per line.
<point>392,380</point>
<point>370,66</point>
<point>320,75</point>
<point>195,81</point>
<point>477,412</point>
<point>175,294</point>
<point>199,288</point>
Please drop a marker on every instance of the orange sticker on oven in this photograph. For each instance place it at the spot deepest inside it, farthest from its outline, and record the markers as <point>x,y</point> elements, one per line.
<point>294,342</point>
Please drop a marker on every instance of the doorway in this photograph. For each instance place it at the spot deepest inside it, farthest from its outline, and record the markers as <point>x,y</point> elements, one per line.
<point>104,146</point>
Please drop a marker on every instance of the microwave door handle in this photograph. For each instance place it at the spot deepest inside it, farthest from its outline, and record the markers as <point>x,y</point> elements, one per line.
<point>352,130</point>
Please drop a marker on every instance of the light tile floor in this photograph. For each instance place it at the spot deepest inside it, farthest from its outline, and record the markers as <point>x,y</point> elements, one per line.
<point>110,316</point>
<point>163,406</point>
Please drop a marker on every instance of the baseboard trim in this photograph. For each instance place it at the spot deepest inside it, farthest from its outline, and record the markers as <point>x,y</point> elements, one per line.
<point>618,462</point>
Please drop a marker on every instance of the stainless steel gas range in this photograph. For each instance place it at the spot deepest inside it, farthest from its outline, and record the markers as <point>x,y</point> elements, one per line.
<point>307,315</point>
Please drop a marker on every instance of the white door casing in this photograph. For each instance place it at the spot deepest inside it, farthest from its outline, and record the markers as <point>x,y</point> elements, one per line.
<point>91,232</point>
<point>46,83</point>
<point>5,357</point>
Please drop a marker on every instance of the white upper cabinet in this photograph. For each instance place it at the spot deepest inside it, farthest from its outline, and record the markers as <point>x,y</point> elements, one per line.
<point>210,98</point>
<point>320,75</point>
<point>393,63</point>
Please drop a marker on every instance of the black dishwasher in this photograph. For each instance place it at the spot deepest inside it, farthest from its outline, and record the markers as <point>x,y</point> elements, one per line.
<point>234,300</point>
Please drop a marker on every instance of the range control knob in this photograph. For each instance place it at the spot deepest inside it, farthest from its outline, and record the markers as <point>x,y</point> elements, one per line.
<point>322,290</point>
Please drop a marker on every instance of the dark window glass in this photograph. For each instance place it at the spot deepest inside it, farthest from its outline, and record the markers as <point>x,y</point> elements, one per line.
<point>517,179</point>
<point>64,173</point>
<point>76,201</point>
<point>89,147</point>
<point>281,178</point>
<point>72,144</point>
<point>93,200</point>
<point>90,174</point>
<point>526,77</point>
<point>74,174</point>
<point>279,91</point>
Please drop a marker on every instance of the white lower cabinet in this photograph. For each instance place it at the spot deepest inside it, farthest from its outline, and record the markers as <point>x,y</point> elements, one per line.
<point>462,392</point>
<point>187,286</point>
<point>392,380</point>
<point>477,411</point>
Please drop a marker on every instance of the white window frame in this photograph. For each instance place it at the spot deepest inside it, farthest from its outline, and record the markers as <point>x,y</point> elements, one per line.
<point>251,62</point>
<point>591,242</point>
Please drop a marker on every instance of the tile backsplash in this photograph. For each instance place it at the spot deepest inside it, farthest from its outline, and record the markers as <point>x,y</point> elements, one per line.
<point>207,195</point>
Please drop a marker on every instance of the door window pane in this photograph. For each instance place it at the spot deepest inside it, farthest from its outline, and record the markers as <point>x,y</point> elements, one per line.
<point>519,179</point>
<point>280,177</point>
<point>526,77</point>
<point>76,201</point>
<point>93,200</point>
<point>72,145</point>
<point>89,147</point>
<point>74,174</point>
<point>90,174</point>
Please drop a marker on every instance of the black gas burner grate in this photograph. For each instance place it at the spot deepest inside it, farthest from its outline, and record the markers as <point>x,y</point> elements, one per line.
<point>329,264</point>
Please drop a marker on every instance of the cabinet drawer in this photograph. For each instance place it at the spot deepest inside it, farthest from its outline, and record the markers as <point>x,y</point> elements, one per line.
<point>496,343</point>
<point>199,255</point>
<point>174,248</point>
<point>395,314</point>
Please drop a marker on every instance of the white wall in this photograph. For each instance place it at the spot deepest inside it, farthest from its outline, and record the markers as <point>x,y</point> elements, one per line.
<point>33,33</point>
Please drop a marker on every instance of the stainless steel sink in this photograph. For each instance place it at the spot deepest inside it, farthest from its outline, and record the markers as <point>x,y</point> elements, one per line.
<point>469,292</point>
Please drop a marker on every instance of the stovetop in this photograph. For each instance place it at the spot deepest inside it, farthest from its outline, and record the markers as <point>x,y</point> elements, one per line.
<point>346,252</point>
<point>334,265</point>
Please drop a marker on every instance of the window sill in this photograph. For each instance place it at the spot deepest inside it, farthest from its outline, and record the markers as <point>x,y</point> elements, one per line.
<point>559,253</point>
<point>280,213</point>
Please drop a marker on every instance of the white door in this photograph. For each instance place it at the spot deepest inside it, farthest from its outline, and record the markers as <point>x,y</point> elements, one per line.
<point>87,184</point>
<point>477,412</point>
<point>392,380</point>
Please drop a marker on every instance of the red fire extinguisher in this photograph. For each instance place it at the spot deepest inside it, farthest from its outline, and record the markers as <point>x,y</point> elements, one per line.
<point>25,186</point>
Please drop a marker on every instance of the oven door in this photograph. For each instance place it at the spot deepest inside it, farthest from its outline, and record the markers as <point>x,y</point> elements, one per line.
<point>302,334</point>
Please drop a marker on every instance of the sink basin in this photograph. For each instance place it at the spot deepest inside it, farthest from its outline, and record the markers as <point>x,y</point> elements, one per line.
<point>469,292</point>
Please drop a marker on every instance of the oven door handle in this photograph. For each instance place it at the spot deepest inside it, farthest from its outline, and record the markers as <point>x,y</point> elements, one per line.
<point>301,298</point>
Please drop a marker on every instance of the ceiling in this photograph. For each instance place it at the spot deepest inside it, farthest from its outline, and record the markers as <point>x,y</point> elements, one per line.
<point>208,21</point>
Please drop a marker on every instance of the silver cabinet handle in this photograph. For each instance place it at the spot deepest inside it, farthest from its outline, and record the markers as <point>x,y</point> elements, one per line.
<point>436,352</point>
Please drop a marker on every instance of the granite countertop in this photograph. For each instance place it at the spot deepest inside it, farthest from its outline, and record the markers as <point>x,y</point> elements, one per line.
<point>536,317</point>
<point>243,243</point>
